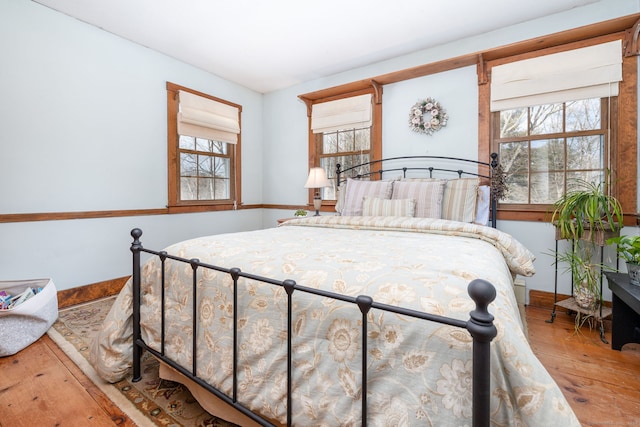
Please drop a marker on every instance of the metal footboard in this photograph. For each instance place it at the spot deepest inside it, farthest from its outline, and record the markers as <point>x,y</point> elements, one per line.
<point>480,326</point>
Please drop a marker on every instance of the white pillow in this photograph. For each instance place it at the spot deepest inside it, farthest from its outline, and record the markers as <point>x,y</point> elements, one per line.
<point>373,206</point>
<point>340,197</point>
<point>427,194</point>
<point>356,190</point>
<point>483,205</point>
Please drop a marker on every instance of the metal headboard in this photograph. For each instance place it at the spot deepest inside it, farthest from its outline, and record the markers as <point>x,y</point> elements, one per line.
<point>494,175</point>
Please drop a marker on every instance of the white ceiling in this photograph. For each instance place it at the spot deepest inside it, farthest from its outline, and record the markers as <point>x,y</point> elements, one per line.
<point>268,45</point>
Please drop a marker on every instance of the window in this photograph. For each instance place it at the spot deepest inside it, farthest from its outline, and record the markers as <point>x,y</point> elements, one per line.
<point>205,169</point>
<point>343,129</point>
<point>546,149</point>
<point>556,116</point>
<point>204,140</point>
<point>348,148</point>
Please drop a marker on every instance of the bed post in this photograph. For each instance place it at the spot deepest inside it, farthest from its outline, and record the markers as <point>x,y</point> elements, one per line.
<point>493,194</point>
<point>483,332</point>
<point>136,246</point>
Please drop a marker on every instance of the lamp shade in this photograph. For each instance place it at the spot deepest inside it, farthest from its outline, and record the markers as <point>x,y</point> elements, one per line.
<point>317,179</point>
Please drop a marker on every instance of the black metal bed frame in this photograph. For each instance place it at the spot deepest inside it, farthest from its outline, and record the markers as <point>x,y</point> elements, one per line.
<point>495,175</point>
<point>480,326</point>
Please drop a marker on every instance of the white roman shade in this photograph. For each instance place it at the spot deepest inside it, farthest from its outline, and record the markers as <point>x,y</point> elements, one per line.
<point>205,118</point>
<point>346,113</point>
<point>589,72</point>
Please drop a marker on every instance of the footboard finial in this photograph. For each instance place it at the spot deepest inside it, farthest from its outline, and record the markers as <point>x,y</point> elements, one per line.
<point>136,233</point>
<point>482,293</point>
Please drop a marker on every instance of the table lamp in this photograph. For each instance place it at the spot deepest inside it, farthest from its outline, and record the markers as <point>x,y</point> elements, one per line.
<point>317,179</point>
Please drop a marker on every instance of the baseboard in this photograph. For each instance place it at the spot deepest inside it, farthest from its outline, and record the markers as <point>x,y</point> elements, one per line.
<point>82,294</point>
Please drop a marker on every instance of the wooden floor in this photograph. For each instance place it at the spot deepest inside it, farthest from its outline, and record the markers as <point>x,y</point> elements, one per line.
<point>41,386</point>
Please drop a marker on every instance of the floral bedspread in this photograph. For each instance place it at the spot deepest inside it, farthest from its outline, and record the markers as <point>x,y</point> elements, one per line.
<point>419,372</point>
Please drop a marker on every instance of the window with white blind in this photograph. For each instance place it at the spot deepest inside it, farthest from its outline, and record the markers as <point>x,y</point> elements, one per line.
<point>342,132</point>
<point>552,120</point>
<point>204,138</point>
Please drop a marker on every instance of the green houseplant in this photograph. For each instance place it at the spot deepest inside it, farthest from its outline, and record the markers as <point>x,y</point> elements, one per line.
<point>586,208</point>
<point>300,212</point>
<point>587,216</point>
<point>628,248</point>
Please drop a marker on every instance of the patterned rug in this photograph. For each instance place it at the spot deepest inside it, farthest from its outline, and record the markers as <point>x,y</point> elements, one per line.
<point>149,402</point>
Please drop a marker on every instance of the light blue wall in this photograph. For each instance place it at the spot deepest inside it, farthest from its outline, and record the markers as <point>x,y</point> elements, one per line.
<point>83,128</point>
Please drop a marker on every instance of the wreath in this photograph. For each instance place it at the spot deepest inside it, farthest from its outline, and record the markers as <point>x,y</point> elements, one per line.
<point>427,116</point>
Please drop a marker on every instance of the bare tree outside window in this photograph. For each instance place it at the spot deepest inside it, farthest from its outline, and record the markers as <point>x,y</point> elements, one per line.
<point>204,169</point>
<point>348,147</point>
<point>545,148</point>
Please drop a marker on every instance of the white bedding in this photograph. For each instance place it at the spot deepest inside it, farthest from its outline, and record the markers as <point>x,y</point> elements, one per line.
<point>419,373</point>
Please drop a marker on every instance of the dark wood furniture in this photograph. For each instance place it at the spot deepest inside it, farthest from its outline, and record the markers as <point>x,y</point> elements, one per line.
<point>626,310</point>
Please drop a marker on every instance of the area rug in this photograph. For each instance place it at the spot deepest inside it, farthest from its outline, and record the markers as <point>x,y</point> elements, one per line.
<point>149,402</point>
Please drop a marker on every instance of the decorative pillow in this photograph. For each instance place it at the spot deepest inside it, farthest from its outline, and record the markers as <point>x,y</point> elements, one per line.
<point>427,194</point>
<point>459,201</point>
<point>483,205</point>
<point>373,206</point>
<point>340,197</point>
<point>356,190</point>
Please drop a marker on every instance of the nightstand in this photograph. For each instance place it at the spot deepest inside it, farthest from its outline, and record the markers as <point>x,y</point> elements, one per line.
<point>626,310</point>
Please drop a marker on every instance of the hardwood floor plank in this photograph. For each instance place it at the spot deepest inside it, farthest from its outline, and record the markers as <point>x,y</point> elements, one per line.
<point>35,391</point>
<point>599,383</point>
<point>116,415</point>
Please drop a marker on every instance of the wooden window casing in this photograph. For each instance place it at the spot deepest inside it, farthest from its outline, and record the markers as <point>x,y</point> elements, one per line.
<point>233,154</point>
<point>622,139</point>
<point>316,140</point>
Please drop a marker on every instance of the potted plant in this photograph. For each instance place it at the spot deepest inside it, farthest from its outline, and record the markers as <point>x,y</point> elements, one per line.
<point>587,212</point>
<point>587,216</point>
<point>585,274</point>
<point>628,248</point>
<point>300,212</point>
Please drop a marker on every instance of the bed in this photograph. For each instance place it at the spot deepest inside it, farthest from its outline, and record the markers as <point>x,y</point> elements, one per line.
<point>340,320</point>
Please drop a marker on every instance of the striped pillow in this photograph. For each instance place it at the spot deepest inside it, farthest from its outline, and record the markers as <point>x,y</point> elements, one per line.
<point>357,190</point>
<point>373,206</point>
<point>427,194</point>
<point>460,198</point>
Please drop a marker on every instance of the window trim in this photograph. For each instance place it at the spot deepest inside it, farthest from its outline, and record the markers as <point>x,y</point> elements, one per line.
<point>173,157</point>
<point>623,138</point>
<point>347,91</point>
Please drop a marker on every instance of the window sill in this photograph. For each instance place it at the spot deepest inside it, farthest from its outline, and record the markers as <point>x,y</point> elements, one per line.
<point>201,208</point>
